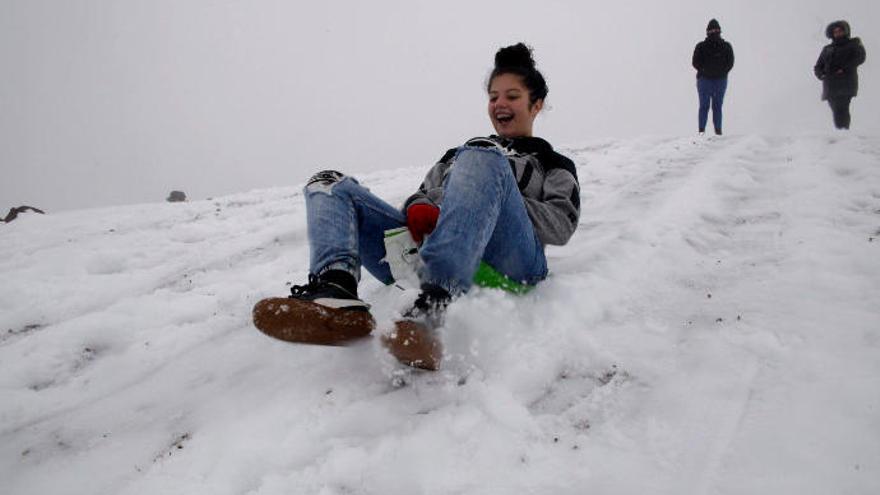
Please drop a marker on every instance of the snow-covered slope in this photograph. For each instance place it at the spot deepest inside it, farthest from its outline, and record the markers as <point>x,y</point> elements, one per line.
<point>713,327</point>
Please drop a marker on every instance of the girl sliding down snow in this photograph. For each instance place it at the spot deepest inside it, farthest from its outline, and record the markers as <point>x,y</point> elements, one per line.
<point>496,200</point>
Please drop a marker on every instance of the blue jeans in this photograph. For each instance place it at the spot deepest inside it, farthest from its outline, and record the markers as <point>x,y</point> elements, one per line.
<point>483,217</point>
<point>711,91</point>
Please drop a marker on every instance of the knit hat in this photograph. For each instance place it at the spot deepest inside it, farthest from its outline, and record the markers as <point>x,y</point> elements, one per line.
<point>713,24</point>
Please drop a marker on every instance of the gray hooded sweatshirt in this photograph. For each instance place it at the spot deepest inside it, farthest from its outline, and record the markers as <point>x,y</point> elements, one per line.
<point>546,179</point>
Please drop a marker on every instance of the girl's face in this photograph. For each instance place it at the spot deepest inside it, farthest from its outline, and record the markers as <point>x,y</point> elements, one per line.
<point>509,109</point>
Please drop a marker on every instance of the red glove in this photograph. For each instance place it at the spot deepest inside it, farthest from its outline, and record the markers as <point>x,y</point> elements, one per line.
<point>421,219</point>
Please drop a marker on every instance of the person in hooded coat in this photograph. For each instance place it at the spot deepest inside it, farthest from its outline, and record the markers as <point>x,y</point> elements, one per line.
<point>713,59</point>
<point>837,68</point>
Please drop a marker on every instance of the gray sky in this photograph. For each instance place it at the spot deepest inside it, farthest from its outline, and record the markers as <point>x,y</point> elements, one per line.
<point>106,102</point>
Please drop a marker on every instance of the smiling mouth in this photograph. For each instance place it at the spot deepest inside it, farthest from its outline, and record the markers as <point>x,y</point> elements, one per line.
<point>503,118</point>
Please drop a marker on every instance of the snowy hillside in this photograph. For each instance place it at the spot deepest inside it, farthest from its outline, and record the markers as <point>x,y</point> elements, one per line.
<point>713,327</point>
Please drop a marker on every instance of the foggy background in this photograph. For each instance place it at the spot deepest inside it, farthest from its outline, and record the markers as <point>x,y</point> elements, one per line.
<point>107,102</point>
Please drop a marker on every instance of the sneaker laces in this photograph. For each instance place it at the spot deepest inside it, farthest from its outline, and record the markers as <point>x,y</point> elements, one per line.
<point>428,304</point>
<point>430,307</point>
<point>314,285</point>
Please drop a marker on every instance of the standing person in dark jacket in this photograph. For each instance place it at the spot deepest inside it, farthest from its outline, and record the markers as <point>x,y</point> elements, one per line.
<point>837,69</point>
<point>713,59</point>
<point>496,200</point>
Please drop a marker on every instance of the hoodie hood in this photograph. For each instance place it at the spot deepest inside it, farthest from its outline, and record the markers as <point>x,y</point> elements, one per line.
<point>713,24</point>
<point>841,24</point>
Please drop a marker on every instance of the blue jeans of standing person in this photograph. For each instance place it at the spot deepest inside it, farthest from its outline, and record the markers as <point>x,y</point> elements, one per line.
<point>711,92</point>
<point>483,217</point>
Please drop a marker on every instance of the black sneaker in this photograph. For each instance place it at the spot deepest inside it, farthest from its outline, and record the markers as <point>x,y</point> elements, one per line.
<point>414,340</point>
<point>322,312</point>
<point>331,290</point>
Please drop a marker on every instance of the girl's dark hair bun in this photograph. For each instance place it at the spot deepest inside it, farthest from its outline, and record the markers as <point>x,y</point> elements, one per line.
<point>518,55</point>
<point>517,59</point>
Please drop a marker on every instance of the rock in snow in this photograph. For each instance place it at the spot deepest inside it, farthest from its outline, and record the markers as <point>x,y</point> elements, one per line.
<point>713,327</point>
<point>176,197</point>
